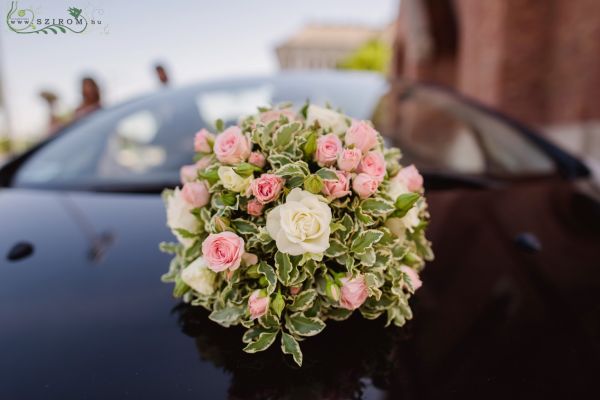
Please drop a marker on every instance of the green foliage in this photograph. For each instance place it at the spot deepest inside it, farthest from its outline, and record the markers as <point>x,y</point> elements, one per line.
<point>374,55</point>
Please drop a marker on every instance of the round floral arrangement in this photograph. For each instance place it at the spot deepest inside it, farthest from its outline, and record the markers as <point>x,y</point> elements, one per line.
<point>291,219</point>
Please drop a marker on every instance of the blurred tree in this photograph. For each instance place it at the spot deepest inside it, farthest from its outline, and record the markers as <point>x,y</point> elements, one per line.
<point>374,55</point>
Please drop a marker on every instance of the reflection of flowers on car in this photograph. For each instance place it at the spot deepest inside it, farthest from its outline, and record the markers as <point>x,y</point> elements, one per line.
<point>335,366</point>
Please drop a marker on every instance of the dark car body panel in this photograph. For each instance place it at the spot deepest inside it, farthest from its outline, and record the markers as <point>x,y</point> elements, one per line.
<point>492,319</point>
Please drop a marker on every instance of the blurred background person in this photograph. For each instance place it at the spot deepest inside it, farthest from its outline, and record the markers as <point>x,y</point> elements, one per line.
<point>54,120</point>
<point>90,98</point>
<point>162,75</point>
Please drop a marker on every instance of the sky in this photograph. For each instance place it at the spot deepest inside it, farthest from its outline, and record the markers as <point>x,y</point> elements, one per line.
<point>196,41</point>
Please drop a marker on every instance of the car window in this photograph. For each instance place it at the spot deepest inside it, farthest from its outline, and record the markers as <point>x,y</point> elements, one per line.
<point>438,131</point>
<point>147,141</point>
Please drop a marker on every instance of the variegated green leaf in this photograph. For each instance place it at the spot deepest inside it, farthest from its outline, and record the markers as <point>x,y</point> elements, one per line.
<point>263,342</point>
<point>303,300</point>
<point>284,134</point>
<point>269,274</point>
<point>289,345</point>
<point>326,173</point>
<point>377,206</point>
<point>335,249</point>
<point>365,239</point>
<point>283,267</point>
<point>338,314</point>
<point>227,316</point>
<point>304,326</point>
<point>244,227</point>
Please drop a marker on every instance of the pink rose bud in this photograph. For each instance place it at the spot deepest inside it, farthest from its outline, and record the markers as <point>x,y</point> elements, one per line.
<point>232,146</point>
<point>364,185</point>
<point>204,162</point>
<point>257,158</point>
<point>411,178</point>
<point>223,251</point>
<point>255,208</point>
<point>413,277</point>
<point>221,223</point>
<point>362,135</point>
<point>348,159</point>
<point>249,259</point>
<point>334,189</point>
<point>258,304</point>
<point>328,148</point>
<point>203,141</point>
<point>196,194</point>
<point>373,164</point>
<point>354,292</point>
<point>267,187</point>
<point>274,115</point>
<point>294,290</point>
<point>188,173</point>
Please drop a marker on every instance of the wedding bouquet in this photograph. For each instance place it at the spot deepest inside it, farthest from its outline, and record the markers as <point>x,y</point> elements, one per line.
<point>289,220</point>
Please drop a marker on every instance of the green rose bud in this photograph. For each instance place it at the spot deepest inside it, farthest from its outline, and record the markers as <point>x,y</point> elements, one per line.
<point>313,184</point>
<point>277,304</point>
<point>333,291</point>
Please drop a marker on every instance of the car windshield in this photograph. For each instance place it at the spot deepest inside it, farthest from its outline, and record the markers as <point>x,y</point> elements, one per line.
<point>145,142</point>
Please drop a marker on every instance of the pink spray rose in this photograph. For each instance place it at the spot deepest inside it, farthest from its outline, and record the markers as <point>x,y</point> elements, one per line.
<point>258,304</point>
<point>373,164</point>
<point>413,276</point>
<point>267,187</point>
<point>361,135</point>
<point>188,173</point>
<point>223,251</point>
<point>257,159</point>
<point>196,193</point>
<point>334,189</point>
<point>255,207</point>
<point>354,292</point>
<point>364,185</point>
<point>348,159</point>
<point>203,141</point>
<point>328,148</point>
<point>204,162</point>
<point>274,115</point>
<point>294,290</point>
<point>411,178</point>
<point>232,146</point>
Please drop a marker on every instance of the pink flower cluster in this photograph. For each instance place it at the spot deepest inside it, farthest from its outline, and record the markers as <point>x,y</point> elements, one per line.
<point>358,165</point>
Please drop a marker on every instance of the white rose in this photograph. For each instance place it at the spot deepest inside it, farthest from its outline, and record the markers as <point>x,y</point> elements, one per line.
<point>327,119</point>
<point>232,181</point>
<point>179,216</point>
<point>301,225</point>
<point>199,277</point>
<point>410,220</point>
<point>397,189</point>
<point>399,226</point>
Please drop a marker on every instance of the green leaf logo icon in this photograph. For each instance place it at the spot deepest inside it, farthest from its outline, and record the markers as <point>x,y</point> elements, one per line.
<point>75,12</point>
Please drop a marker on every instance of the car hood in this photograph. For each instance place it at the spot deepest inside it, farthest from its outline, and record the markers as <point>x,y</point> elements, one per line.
<point>86,315</point>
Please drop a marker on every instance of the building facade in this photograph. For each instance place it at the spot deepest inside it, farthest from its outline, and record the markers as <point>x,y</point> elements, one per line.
<point>538,61</point>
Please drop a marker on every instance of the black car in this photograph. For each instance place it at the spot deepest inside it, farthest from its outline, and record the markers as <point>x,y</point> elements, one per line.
<point>510,306</point>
